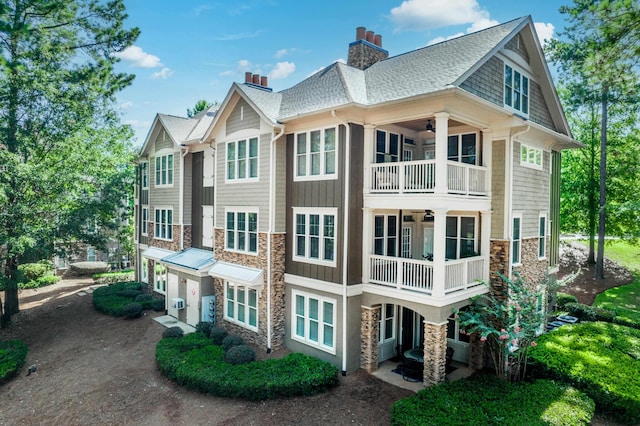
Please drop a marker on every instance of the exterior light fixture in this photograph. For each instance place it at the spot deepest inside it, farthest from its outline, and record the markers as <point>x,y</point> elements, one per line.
<point>430,127</point>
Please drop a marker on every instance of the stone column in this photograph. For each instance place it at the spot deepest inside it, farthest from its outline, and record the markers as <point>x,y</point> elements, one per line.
<point>435,353</point>
<point>369,337</point>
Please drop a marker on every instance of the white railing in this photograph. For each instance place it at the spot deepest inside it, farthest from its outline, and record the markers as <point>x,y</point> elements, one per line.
<point>420,177</point>
<point>417,275</point>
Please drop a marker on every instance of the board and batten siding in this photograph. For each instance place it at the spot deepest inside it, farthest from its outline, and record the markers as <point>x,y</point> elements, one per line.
<point>242,117</point>
<point>498,177</point>
<point>531,191</point>
<point>196,199</point>
<point>188,194</point>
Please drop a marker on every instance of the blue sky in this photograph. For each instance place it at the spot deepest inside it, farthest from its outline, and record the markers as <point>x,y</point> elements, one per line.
<point>190,50</point>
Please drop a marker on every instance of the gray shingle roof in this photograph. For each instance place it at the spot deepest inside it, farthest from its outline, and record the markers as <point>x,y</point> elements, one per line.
<point>268,102</point>
<point>177,127</point>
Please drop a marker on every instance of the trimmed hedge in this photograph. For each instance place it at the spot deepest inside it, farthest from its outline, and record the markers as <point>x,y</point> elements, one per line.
<point>240,354</point>
<point>173,332</point>
<point>600,358</point>
<point>484,400</point>
<point>113,277</point>
<point>232,340</point>
<point>132,310</point>
<point>13,354</point>
<point>217,335</point>
<point>112,299</point>
<point>563,298</point>
<point>202,367</point>
<point>590,313</point>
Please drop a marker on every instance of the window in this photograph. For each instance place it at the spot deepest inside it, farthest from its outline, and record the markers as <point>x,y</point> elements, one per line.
<point>160,279</point>
<point>241,305</point>
<point>531,157</point>
<point>164,224</point>
<point>315,235</point>
<point>316,154</point>
<point>91,254</point>
<point>462,148</point>
<point>242,231</point>
<point>542,236</point>
<point>385,238</point>
<point>242,159</point>
<point>406,242</point>
<point>314,321</point>
<point>164,170</point>
<point>461,237</point>
<point>454,332</point>
<point>387,147</point>
<point>387,323</point>
<point>515,240</point>
<point>144,270</point>
<point>144,221</point>
<point>144,175</point>
<point>516,90</point>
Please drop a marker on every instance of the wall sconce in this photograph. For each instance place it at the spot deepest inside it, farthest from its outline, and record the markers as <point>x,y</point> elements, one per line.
<point>430,127</point>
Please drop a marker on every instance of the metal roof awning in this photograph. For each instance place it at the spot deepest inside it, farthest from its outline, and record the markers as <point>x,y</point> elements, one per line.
<point>156,253</point>
<point>194,259</point>
<point>251,277</point>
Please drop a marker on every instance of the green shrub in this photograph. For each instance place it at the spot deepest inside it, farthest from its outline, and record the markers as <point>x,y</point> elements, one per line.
<point>240,354</point>
<point>13,354</point>
<point>113,277</point>
<point>217,335</point>
<point>204,328</point>
<point>173,332</point>
<point>563,298</point>
<point>157,305</point>
<point>143,298</point>
<point>107,299</point>
<point>33,271</point>
<point>231,341</point>
<point>39,282</point>
<point>130,293</point>
<point>203,368</point>
<point>485,400</point>
<point>132,310</point>
<point>589,313</point>
<point>598,358</point>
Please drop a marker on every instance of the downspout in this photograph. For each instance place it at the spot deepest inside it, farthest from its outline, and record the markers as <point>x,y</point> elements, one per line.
<point>345,233</point>
<point>510,193</point>
<point>181,201</point>
<point>272,195</point>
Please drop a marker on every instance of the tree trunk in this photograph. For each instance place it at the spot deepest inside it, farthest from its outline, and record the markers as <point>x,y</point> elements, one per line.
<point>591,191</point>
<point>603,188</point>
<point>11,291</point>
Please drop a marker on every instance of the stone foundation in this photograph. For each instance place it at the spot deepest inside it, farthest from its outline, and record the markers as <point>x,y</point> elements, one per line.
<point>369,332</point>
<point>435,345</point>
<point>173,245</point>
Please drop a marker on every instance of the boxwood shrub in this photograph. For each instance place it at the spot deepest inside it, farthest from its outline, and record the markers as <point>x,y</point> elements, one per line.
<point>173,332</point>
<point>240,354</point>
<point>111,299</point>
<point>203,368</point>
<point>13,354</point>
<point>113,277</point>
<point>217,335</point>
<point>485,400</point>
<point>132,310</point>
<point>231,341</point>
<point>590,313</point>
<point>563,298</point>
<point>600,358</point>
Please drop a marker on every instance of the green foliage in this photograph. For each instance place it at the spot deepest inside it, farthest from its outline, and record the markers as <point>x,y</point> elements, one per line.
<point>217,335</point>
<point>33,271</point>
<point>231,341</point>
<point>203,368</point>
<point>204,328</point>
<point>132,310</point>
<point>624,301</point>
<point>589,313</point>
<point>173,332</point>
<point>143,298</point>
<point>563,298</point>
<point>113,277</point>
<point>13,354</point>
<point>110,299</point>
<point>484,400</point>
<point>599,358</point>
<point>157,305</point>
<point>240,354</point>
<point>129,293</point>
<point>200,106</point>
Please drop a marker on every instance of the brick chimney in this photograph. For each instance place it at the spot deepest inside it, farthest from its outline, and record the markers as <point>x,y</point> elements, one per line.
<point>256,80</point>
<point>366,50</point>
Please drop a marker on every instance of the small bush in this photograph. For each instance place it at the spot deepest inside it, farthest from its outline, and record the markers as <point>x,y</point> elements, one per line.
<point>132,310</point>
<point>217,335</point>
<point>563,298</point>
<point>33,271</point>
<point>589,313</point>
<point>39,282</point>
<point>143,298</point>
<point>13,354</point>
<point>157,305</point>
<point>231,341</point>
<point>173,332</point>
<point>240,354</point>
<point>204,328</point>
<point>131,293</point>
<point>112,277</point>
<point>107,299</point>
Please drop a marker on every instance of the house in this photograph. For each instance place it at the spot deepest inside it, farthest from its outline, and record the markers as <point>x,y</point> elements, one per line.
<point>347,216</point>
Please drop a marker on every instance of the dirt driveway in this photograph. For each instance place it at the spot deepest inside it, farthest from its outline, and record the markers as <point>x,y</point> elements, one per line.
<point>96,369</point>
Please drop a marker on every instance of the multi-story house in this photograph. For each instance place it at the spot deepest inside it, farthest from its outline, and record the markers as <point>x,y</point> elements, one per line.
<point>347,216</point>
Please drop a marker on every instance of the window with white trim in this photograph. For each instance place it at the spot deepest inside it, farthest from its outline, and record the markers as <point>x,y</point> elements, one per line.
<point>385,235</point>
<point>242,160</point>
<point>160,278</point>
<point>531,157</point>
<point>164,170</point>
<point>144,270</point>
<point>516,239</point>
<point>461,237</point>
<point>164,224</point>
<point>454,333</point>
<point>387,146</point>
<point>241,230</point>
<point>463,148</point>
<point>315,235</point>
<point>516,89</point>
<point>241,305</point>
<point>144,175</point>
<point>314,321</point>
<point>542,236</point>
<point>315,154</point>
<point>144,221</point>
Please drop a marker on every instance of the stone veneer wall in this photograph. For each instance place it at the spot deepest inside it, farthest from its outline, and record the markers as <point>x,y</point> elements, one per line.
<point>362,55</point>
<point>435,344</point>
<point>533,270</point>
<point>259,338</point>
<point>498,262</point>
<point>174,244</point>
<point>369,332</point>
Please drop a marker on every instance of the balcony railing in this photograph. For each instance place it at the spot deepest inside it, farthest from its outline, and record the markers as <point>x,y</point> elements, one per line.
<point>408,177</point>
<point>417,275</point>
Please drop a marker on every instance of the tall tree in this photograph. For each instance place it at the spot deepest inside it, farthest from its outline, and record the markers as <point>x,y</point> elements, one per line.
<point>600,49</point>
<point>57,80</point>
<point>200,106</point>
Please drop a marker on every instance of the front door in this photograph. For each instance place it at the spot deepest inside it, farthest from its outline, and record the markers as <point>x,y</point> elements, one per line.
<point>193,299</point>
<point>387,332</point>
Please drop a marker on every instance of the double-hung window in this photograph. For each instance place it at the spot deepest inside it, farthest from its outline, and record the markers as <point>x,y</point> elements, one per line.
<point>542,236</point>
<point>516,239</point>
<point>164,170</point>
<point>315,154</point>
<point>385,235</point>
<point>387,147</point>
<point>314,321</point>
<point>160,278</point>
<point>144,221</point>
<point>144,175</point>
<point>315,235</point>
<point>241,305</point>
<point>242,160</point>
<point>461,239</point>
<point>531,157</point>
<point>516,89</point>
<point>164,224</point>
<point>463,148</point>
<point>241,230</point>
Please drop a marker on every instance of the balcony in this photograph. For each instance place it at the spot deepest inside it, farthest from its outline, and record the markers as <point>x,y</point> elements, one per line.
<point>419,177</point>
<point>418,275</point>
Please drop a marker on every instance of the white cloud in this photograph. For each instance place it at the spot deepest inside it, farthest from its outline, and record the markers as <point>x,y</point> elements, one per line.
<point>423,15</point>
<point>280,53</point>
<point>227,73</point>
<point>125,105</point>
<point>244,65</point>
<point>545,31</point>
<point>163,74</point>
<point>282,70</point>
<point>136,57</point>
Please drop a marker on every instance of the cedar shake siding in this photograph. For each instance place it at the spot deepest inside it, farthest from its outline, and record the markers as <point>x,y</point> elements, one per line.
<point>498,176</point>
<point>532,194</point>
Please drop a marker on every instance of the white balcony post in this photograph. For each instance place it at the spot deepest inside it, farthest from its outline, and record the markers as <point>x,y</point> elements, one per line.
<point>485,238</point>
<point>369,144</point>
<point>442,135</point>
<point>487,151</point>
<point>367,235</point>
<point>439,250</point>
